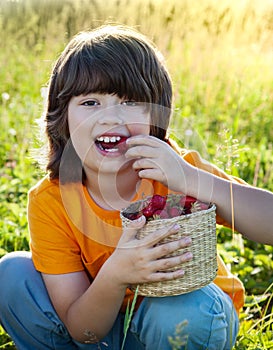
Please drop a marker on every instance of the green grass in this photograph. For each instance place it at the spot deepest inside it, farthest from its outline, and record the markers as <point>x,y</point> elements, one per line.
<point>220,57</point>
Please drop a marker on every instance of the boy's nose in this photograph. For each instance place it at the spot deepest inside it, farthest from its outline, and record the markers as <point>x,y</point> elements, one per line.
<point>111,116</point>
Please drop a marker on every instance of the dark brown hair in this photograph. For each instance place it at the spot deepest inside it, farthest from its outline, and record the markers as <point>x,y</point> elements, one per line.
<point>112,59</point>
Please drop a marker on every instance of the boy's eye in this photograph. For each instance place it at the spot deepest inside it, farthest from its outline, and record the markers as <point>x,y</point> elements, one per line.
<point>90,103</point>
<point>129,103</point>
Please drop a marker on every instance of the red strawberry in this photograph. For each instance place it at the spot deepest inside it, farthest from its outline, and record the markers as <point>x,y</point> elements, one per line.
<point>148,211</point>
<point>158,202</point>
<point>186,203</point>
<point>133,216</point>
<point>189,200</point>
<point>204,206</point>
<point>163,207</point>
<point>161,214</point>
<point>198,205</point>
<point>175,211</point>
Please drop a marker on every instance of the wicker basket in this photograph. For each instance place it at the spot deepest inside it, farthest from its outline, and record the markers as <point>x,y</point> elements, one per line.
<point>202,269</point>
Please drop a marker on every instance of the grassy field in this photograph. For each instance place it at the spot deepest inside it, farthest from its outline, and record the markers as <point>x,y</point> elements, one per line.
<point>220,57</point>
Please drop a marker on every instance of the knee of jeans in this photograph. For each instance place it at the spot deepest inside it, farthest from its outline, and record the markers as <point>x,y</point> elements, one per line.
<point>157,319</point>
<point>23,294</point>
<point>214,326</point>
<point>203,315</point>
<point>15,267</point>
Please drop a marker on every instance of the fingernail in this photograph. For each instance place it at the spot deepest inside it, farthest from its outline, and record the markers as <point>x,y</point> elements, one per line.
<point>176,227</point>
<point>188,255</point>
<point>187,240</point>
<point>181,273</point>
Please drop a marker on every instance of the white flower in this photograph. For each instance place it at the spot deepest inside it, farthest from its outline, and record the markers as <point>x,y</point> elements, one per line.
<point>188,132</point>
<point>12,132</point>
<point>5,96</point>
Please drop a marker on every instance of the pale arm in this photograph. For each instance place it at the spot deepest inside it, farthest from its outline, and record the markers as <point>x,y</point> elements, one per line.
<point>85,308</point>
<point>250,208</point>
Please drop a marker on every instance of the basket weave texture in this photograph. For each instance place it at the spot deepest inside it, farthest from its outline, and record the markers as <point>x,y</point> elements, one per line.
<point>202,269</point>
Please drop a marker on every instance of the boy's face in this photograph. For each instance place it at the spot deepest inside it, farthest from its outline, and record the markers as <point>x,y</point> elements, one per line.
<point>99,126</point>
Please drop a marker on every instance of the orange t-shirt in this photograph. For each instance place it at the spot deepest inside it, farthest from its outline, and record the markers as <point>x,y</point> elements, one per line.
<point>69,232</point>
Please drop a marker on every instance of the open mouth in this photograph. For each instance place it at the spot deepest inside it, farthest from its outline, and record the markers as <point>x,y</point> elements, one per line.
<point>111,144</point>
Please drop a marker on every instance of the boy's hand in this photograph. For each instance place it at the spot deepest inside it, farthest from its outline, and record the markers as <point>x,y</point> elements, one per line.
<point>156,160</point>
<point>138,261</point>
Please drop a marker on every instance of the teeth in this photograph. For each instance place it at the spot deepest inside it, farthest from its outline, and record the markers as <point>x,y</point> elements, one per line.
<point>108,139</point>
<point>111,150</point>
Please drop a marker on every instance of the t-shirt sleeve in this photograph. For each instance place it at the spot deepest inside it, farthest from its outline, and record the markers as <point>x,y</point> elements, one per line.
<point>230,284</point>
<point>54,249</point>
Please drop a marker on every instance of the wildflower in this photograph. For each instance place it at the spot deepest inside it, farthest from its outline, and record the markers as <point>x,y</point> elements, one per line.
<point>5,96</point>
<point>12,132</point>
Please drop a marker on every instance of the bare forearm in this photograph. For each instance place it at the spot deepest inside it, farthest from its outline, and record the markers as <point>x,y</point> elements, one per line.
<point>248,209</point>
<point>95,312</point>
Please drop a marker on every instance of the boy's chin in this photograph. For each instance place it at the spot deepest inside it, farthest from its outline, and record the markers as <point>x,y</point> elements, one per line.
<point>110,165</point>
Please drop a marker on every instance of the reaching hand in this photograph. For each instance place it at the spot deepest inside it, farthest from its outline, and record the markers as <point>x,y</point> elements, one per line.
<point>156,160</point>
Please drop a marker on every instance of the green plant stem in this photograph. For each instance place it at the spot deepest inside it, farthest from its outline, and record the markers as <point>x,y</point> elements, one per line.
<point>128,317</point>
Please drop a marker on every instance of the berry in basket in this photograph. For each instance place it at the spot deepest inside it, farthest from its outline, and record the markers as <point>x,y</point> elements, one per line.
<point>165,207</point>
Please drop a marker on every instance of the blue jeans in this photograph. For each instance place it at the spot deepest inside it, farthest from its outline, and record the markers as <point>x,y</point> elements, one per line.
<point>27,314</point>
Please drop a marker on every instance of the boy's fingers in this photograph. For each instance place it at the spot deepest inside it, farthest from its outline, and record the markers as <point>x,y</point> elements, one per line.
<point>136,140</point>
<point>144,163</point>
<point>164,250</point>
<point>138,223</point>
<point>143,139</point>
<point>134,226</point>
<point>140,152</point>
<point>155,237</point>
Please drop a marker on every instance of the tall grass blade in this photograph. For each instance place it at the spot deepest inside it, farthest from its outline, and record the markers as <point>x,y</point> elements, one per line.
<point>128,317</point>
